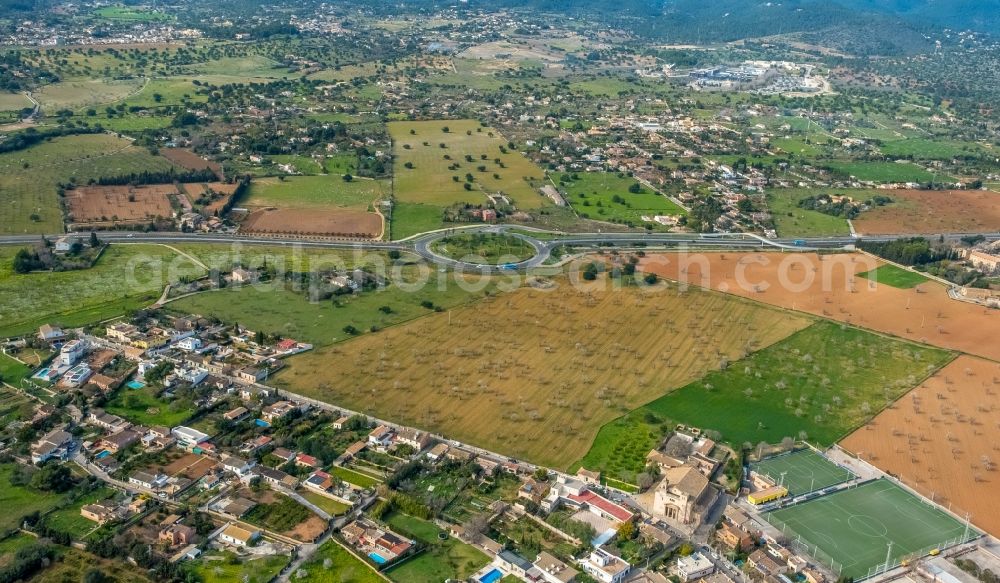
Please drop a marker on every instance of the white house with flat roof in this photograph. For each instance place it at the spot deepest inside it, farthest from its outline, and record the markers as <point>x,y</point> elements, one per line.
<point>693,567</point>
<point>605,567</point>
<point>187,437</point>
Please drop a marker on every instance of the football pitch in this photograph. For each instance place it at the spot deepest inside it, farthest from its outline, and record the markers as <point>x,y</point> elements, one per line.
<point>851,530</point>
<point>804,471</point>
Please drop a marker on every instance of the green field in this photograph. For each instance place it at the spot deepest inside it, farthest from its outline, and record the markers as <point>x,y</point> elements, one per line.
<point>227,568</point>
<point>430,181</point>
<point>81,94</point>
<point>927,149</point>
<point>883,171</point>
<point>804,471</point>
<point>328,505</point>
<point>491,248</point>
<point>604,196</point>
<point>792,221</point>
<point>11,370</point>
<point>278,310</point>
<point>343,567</point>
<point>13,405</point>
<point>322,191</point>
<point>126,277</point>
<point>21,500</point>
<point>442,560</point>
<point>68,519</point>
<point>817,384</point>
<point>130,14</point>
<point>142,407</point>
<point>412,219</point>
<point>895,276</point>
<point>29,178</point>
<point>10,545</point>
<point>852,528</point>
<point>351,477</point>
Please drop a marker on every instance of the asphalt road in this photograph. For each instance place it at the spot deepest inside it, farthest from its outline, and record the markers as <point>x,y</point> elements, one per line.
<point>543,245</point>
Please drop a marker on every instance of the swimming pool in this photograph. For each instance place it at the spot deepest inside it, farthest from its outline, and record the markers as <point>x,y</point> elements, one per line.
<point>261,423</point>
<point>135,384</point>
<point>491,577</point>
<point>103,454</point>
<point>376,557</point>
<point>42,374</point>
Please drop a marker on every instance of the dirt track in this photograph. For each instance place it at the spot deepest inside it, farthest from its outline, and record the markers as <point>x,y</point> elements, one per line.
<point>828,286</point>
<point>938,438</point>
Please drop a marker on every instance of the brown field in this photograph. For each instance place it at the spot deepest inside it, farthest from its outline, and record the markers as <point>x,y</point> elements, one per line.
<point>309,530</point>
<point>537,372</point>
<point>942,439</point>
<point>322,223</point>
<point>119,204</point>
<point>197,190</point>
<point>191,466</point>
<point>924,314</point>
<point>187,159</point>
<point>931,211</point>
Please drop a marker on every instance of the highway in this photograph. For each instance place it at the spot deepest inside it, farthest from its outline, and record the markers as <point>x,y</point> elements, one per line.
<point>544,244</point>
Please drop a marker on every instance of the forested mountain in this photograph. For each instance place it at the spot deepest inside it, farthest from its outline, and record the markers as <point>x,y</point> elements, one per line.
<point>860,26</point>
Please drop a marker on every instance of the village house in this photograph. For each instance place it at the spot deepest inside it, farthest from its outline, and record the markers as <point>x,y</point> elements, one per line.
<point>380,436</point>
<point>252,374</point>
<point>605,567</point>
<point>99,513</point>
<point>236,415</point>
<point>516,564</point>
<point>190,344</point>
<point>254,444</point>
<point>147,480</point>
<point>533,490</point>
<point>240,275</point>
<point>418,440</point>
<point>306,461</point>
<point>588,477</point>
<point>187,437</point>
<point>553,570</point>
<point>237,506</point>
<point>239,536</point>
<point>733,538</point>
<point>766,564</point>
<point>177,534</point>
<point>121,332</point>
<point>279,410</point>
<point>342,422</point>
<point>49,333</point>
<point>71,352</point>
<point>107,421</point>
<point>437,452</point>
<point>319,480</point>
<point>119,441</point>
<point>236,465</point>
<point>274,477</point>
<point>56,444</point>
<point>692,567</point>
<point>284,454</point>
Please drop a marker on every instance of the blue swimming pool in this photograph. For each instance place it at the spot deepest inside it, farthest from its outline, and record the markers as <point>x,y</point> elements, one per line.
<point>42,374</point>
<point>261,423</point>
<point>135,385</point>
<point>103,454</point>
<point>491,577</point>
<point>376,557</point>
